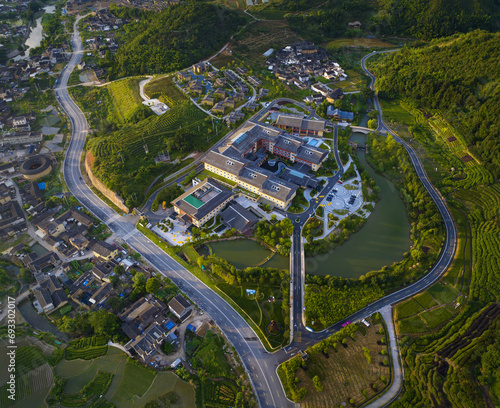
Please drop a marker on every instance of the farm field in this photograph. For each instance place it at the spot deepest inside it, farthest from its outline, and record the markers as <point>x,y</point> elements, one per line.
<point>394,112</point>
<point>428,310</point>
<point>34,376</point>
<point>165,90</point>
<point>356,42</point>
<point>261,36</point>
<point>349,373</point>
<point>353,83</point>
<point>125,96</point>
<point>132,385</point>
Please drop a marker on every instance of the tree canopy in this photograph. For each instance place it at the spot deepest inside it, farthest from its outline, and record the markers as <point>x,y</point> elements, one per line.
<point>460,77</point>
<point>173,39</point>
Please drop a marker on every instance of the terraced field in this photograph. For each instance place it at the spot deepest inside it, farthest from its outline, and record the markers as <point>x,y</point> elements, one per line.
<point>125,96</point>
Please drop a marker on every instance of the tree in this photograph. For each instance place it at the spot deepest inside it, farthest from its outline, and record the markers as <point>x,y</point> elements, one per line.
<point>119,270</point>
<point>367,354</point>
<point>373,123</point>
<point>25,275</point>
<point>104,323</point>
<point>139,281</point>
<point>317,383</point>
<point>152,285</point>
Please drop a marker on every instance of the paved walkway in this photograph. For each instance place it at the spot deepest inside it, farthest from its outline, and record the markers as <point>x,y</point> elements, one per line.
<point>387,398</point>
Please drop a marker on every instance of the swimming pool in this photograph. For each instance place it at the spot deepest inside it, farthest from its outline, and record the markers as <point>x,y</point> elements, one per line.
<point>312,142</point>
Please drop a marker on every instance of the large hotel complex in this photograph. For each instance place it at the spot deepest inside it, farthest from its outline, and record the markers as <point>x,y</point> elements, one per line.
<point>239,161</point>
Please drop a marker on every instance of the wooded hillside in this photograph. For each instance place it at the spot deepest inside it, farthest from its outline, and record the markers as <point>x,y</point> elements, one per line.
<point>457,75</point>
<point>177,37</point>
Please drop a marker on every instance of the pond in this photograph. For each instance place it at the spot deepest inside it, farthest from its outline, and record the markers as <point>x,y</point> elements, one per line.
<point>38,322</point>
<point>36,34</point>
<point>382,241</point>
<point>243,253</point>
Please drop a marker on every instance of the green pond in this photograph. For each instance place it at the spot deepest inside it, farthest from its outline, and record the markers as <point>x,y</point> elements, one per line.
<point>243,253</point>
<point>382,241</point>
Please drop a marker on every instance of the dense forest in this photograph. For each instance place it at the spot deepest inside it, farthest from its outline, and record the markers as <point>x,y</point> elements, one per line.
<point>173,39</point>
<point>457,75</point>
<point>423,19</point>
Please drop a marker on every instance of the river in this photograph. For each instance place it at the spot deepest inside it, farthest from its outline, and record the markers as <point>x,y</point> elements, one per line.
<point>36,34</point>
<point>382,240</point>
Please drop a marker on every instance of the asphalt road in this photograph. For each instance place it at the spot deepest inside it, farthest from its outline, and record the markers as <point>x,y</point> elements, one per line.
<point>305,337</point>
<point>260,365</point>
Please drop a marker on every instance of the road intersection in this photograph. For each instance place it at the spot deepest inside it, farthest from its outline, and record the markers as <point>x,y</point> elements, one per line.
<point>260,364</point>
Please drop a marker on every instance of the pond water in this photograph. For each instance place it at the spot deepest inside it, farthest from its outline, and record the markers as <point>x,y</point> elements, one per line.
<point>243,253</point>
<point>36,34</point>
<point>382,241</point>
<point>38,322</point>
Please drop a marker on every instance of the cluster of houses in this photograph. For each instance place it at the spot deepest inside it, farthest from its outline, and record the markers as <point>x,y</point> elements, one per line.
<point>76,6</point>
<point>149,322</point>
<point>103,20</point>
<point>300,63</point>
<point>220,91</point>
<point>12,220</point>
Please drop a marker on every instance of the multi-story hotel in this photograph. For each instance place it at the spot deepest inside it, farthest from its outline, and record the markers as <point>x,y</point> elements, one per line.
<point>239,160</point>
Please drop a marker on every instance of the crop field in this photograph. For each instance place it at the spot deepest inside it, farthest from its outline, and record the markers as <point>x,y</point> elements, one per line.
<point>426,300</point>
<point>220,393</point>
<point>356,42</point>
<point>443,293</point>
<point>125,96</point>
<point>452,140</point>
<point>420,314</point>
<point>33,376</point>
<point>435,317</point>
<point>263,35</point>
<point>394,112</point>
<point>412,325</point>
<point>88,353</point>
<point>353,83</point>
<point>408,308</point>
<point>151,133</point>
<point>345,373</point>
<point>165,90</point>
<point>132,385</point>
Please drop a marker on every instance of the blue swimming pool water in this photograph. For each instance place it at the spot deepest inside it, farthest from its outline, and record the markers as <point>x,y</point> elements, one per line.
<point>313,142</point>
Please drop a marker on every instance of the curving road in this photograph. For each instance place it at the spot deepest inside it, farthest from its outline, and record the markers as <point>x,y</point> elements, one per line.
<point>260,365</point>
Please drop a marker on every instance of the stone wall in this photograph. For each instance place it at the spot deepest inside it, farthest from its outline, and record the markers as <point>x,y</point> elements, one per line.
<point>110,195</point>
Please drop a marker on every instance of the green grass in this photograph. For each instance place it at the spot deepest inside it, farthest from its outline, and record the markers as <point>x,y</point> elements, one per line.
<point>412,325</point>
<point>394,112</point>
<point>125,96</point>
<point>408,308</point>
<point>88,353</point>
<point>136,381</point>
<point>209,355</point>
<point>205,173</point>
<point>435,317</point>
<point>426,300</point>
<point>443,293</point>
<point>165,90</point>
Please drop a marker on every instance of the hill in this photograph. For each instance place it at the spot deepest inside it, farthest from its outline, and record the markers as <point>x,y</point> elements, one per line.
<point>422,19</point>
<point>458,76</point>
<point>175,38</point>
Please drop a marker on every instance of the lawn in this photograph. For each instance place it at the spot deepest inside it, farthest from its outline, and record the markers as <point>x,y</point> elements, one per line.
<point>412,325</point>
<point>409,308</point>
<point>426,300</point>
<point>443,293</point>
<point>353,83</point>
